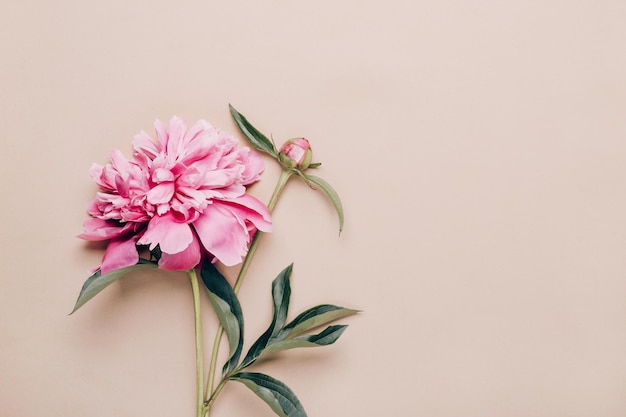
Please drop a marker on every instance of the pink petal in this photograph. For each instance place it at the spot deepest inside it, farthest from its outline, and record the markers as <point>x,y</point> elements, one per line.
<point>223,234</point>
<point>194,197</point>
<point>161,175</point>
<point>97,173</point>
<point>143,144</point>
<point>162,193</point>
<point>250,209</point>
<point>181,261</point>
<point>295,152</point>
<point>253,166</point>
<point>120,253</point>
<point>99,229</point>
<point>220,178</point>
<point>122,186</point>
<point>119,162</point>
<point>93,208</point>
<point>135,216</point>
<point>231,192</point>
<point>191,178</point>
<point>175,141</point>
<point>171,236</point>
<point>198,142</point>
<point>161,133</point>
<point>195,131</point>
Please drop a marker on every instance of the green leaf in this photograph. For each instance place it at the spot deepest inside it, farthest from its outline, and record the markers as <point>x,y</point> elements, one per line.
<point>314,317</point>
<point>315,165</point>
<point>331,194</point>
<point>228,310</point>
<point>257,139</point>
<point>275,393</point>
<point>156,253</point>
<point>97,282</point>
<point>326,337</point>
<point>281,291</point>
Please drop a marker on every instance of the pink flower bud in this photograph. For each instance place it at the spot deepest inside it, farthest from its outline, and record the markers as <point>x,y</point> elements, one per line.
<point>296,153</point>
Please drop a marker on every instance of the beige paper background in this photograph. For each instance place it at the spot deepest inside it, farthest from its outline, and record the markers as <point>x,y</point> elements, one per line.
<point>479,148</point>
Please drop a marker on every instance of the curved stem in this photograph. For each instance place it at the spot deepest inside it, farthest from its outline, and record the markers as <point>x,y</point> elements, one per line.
<point>193,277</point>
<point>282,181</point>
<point>213,363</point>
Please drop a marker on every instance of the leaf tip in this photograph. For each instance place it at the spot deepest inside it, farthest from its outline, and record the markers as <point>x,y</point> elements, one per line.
<point>76,307</point>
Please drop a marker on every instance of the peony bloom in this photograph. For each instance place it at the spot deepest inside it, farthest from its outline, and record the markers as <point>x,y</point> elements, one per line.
<point>296,153</point>
<point>185,193</point>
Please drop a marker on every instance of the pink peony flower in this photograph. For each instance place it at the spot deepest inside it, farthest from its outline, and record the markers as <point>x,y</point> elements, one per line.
<point>296,153</point>
<point>186,194</point>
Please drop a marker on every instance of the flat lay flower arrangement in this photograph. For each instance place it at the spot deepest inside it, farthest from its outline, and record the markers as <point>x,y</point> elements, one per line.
<point>181,204</point>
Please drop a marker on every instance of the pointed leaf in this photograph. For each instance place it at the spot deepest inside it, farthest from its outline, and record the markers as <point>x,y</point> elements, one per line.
<point>257,139</point>
<point>281,291</point>
<point>275,393</point>
<point>331,194</point>
<point>228,310</point>
<point>314,317</point>
<point>97,282</point>
<point>327,337</point>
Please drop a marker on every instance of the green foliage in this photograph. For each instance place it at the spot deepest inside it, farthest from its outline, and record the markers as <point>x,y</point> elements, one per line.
<point>257,139</point>
<point>278,336</point>
<point>326,337</point>
<point>260,142</point>
<point>314,317</point>
<point>276,394</point>
<point>281,292</point>
<point>97,282</point>
<point>331,194</point>
<point>228,310</point>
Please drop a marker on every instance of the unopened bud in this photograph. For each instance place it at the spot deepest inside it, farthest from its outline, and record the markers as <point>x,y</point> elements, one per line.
<point>296,153</point>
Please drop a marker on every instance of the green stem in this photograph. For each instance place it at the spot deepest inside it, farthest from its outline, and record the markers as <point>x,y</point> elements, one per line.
<point>193,277</point>
<point>282,181</point>
<point>215,393</point>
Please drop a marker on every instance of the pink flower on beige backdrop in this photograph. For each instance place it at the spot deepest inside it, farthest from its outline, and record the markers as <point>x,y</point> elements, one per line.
<point>186,193</point>
<point>183,199</point>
